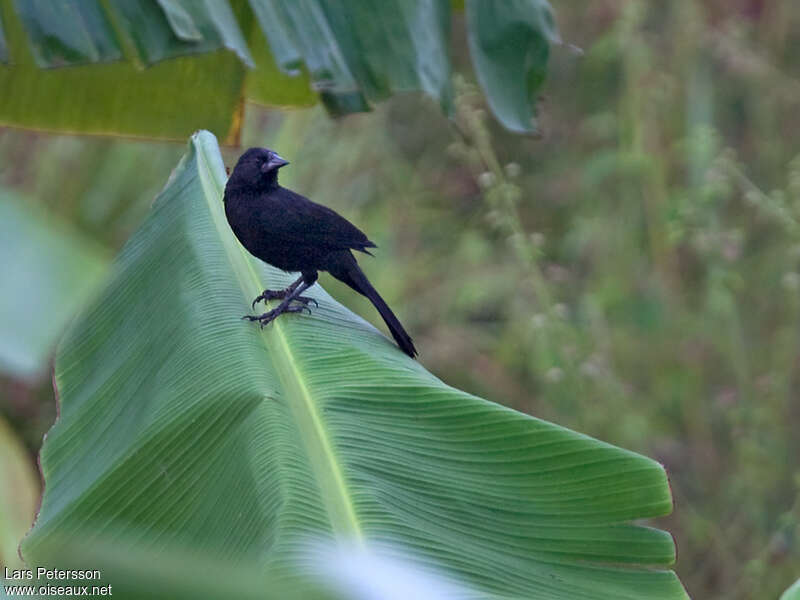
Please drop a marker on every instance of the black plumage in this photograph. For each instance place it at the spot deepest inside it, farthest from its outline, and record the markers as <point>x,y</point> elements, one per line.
<point>292,233</point>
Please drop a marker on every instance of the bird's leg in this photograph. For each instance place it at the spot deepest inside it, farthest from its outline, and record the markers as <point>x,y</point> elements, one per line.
<point>270,316</point>
<point>297,288</point>
<point>268,295</point>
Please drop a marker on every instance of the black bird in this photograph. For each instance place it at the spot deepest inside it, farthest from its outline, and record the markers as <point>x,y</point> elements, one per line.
<point>292,233</point>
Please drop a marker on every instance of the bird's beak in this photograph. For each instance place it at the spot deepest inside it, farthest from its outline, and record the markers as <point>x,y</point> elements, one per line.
<point>276,162</point>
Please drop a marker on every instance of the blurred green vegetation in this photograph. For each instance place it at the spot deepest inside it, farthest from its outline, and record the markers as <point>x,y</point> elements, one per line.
<point>634,274</point>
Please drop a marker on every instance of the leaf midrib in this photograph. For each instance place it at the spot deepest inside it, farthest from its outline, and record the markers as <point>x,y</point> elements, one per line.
<point>333,487</point>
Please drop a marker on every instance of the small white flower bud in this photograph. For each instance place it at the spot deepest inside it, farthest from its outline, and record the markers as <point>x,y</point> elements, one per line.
<point>554,374</point>
<point>486,180</point>
<point>513,169</point>
<point>791,281</point>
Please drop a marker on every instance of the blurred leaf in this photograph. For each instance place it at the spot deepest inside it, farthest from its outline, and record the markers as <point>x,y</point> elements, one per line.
<point>65,33</point>
<point>356,53</point>
<point>183,425</point>
<point>48,273</point>
<point>793,592</point>
<point>272,18</point>
<point>180,21</point>
<point>19,495</point>
<point>172,574</point>
<point>169,99</point>
<point>162,29</point>
<point>509,43</point>
<point>405,46</point>
<point>3,45</point>
<point>326,570</point>
<point>268,85</point>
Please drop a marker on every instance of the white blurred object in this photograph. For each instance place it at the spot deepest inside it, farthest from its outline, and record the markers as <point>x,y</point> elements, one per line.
<point>377,573</point>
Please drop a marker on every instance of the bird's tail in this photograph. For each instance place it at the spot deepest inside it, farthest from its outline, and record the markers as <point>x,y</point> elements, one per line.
<point>353,276</point>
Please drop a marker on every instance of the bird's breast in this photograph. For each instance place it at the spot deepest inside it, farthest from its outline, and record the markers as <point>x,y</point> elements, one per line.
<point>258,238</point>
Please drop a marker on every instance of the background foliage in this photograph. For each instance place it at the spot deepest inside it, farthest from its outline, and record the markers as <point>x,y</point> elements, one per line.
<point>271,52</point>
<point>634,274</point>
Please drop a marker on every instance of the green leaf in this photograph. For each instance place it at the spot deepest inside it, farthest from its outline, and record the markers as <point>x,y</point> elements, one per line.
<point>176,574</point>
<point>355,53</point>
<point>63,33</point>
<point>330,571</point>
<point>405,47</point>
<point>181,21</point>
<point>19,495</point>
<point>793,592</point>
<point>274,22</point>
<point>269,85</point>
<point>170,99</point>
<point>3,45</point>
<point>183,425</point>
<point>509,43</point>
<point>161,29</point>
<point>118,98</point>
<point>49,272</point>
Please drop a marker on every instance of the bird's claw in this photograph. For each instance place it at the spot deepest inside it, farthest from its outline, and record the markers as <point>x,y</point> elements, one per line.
<point>268,295</point>
<point>269,316</point>
<point>305,300</point>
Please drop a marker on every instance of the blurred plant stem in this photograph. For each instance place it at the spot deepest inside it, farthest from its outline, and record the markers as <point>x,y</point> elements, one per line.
<point>559,349</point>
<point>642,135</point>
<point>502,197</point>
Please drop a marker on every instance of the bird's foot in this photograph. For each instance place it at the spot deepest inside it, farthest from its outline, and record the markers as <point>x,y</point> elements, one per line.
<point>305,300</point>
<point>269,316</point>
<point>268,295</point>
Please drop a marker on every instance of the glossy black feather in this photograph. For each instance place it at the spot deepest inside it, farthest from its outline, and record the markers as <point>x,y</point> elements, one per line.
<point>292,233</point>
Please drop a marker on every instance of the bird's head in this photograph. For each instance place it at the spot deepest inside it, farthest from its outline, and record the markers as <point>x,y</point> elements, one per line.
<point>258,166</point>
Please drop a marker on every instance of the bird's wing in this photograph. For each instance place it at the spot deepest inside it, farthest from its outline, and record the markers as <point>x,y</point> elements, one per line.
<point>297,219</point>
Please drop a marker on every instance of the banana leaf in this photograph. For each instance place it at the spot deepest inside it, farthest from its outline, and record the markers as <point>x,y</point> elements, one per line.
<point>509,43</point>
<point>181,425</point>
<point>164,68</point>
<point>793,592</point>
<point>328,571</point>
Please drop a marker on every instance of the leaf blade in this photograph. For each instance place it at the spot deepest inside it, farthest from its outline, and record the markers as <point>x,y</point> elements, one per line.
<point>62,33</point>
<point>211,433</point>
<point>509,45</point>
<point>328,472</point>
